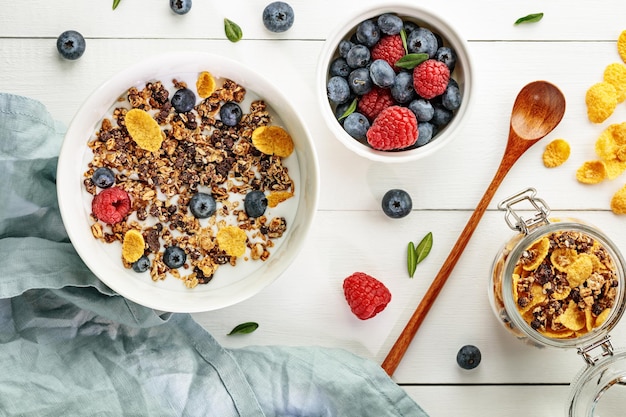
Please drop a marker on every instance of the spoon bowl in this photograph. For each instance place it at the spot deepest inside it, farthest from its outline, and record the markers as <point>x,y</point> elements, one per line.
<point>537,110</point>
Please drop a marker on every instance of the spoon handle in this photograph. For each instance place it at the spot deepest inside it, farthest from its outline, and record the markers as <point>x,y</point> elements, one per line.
<point>396,353</point>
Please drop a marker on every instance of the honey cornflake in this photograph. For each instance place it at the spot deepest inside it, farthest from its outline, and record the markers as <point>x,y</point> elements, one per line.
<point>133,246</point>
<point>232,240</point>
<point>615,74</point>
<point>556,153</point>
<point>592,172</point>
<point>601,100</point>
<point>618,201</point>
<point>144,130</point>
<point>205,84</point>
<point>272,140</point>
<point>621,45</point>
<point>277,197</point>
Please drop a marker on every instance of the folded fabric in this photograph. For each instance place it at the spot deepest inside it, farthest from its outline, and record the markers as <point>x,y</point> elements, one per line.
<point>70,346</point>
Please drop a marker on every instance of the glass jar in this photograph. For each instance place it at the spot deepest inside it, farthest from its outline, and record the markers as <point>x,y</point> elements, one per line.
<point>561,283</point>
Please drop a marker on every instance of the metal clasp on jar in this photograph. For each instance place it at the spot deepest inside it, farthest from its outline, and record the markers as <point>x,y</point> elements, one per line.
<point>519,223</point>
<point>604,343</point>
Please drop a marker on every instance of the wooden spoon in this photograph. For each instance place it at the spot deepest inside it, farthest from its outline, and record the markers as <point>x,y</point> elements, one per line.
<point>538,109</point>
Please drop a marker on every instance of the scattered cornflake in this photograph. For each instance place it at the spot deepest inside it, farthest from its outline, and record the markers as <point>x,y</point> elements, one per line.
<point>205,85</point>
<point>591,172</point>
<point>601,100</point>
<point>621,45</point>
<point>133,246</point>
<point>272,140</point>
<point>556,153</point>
<point>232,240</point>
<point>618,201</point>
<point>615,74</point>
<point>277,197</point>
<point>144,130</point>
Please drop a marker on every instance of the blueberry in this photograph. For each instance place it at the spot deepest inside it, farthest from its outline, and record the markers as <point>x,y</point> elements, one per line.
<point>278,16</point>
<point>356,125</point>
<point>423,109</point>
<point>382,74</point>
<point>422,41</point>
<point>339,66</point>
<point>180,6</point>
<point>174,257</point>
<point>426,131</point>
<point>441,116</point>
<point>142,264</point>
<point>367,33</point>
<point>397,203</point>
<point>183,100</point>
<point>359,56</point>
<point>359,81</point>
<point>71,44</point>
<point>230,113</point>
<point>389,24</point>
<point>344,48</point>
<point>409,27</point>
<point>402,89</point>
<point>451,97</point>
<point>341,108</point>
<point>202,205</point>
<point>255,203</point>
<point>103,177</point>
<point>468,357</point>
<point>338,90</point>
<point>447,56</point>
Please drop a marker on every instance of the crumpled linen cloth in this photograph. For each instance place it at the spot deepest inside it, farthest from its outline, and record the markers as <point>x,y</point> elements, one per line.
<point>70,346</point>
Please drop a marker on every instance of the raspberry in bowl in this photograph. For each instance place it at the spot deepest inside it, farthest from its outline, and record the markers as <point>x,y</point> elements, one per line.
<point>394,83</point>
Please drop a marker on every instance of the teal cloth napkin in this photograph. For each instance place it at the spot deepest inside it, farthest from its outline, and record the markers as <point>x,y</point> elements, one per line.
<point>70,346</point>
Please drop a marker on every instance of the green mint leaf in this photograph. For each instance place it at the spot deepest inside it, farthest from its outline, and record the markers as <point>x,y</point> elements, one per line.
<point>232,30</point>
<point>531,18</point>
<point>423,248</point>
<point>116,3</point>
<point>411,61</point>
<point>244,328</point>
<point>351,108</point>
<point>403,37</point>
<point>411,259</point>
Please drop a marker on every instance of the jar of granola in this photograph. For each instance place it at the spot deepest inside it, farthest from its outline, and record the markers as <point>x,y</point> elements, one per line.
<point>561,283</point>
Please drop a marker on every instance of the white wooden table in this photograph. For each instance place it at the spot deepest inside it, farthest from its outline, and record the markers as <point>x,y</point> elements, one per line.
<point>570,47</point>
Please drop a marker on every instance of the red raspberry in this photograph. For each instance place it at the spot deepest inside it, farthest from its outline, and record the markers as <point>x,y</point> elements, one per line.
<point>366,295</point>
<point>390,49</point>
<point>430,78</point>
<point>111,205</point>
<point>394,128</point>
<point>375,101</point>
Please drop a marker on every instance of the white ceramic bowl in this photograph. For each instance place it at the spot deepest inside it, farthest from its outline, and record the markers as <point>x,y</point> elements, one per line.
<point>462,74</point>
<point>104,260</point>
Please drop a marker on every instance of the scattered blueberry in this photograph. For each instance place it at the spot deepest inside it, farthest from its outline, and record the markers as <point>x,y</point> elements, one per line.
<point>397,203</point>
<point>183,100</point>
<point>389,24</point>
<point>382,74</point>
<point>451,97</point>
<point>180,6</point>
<point>338,89</point>
<point>402,89</point>
<point>142,264</point>
<point>358,56</point>
<point>278,16</point>
<point>71,44</point>
<point>367,33</point>
<point>468,357</point>
<point>356,125</point>
<point>423,109</point>
<point>441,116</point>
<point>103,177</point>
<point>422,41</point>
<point>340,67</point>
<point>202,205</point>
<point>447,56</point>
<point>174,257</point>
<point>255,203</point>
<point>359,81</point>
<point>230,113</point>
<point>426,131</point>
<point>344,48</point>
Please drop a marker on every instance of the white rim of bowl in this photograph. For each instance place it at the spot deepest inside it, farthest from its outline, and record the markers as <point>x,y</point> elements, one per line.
<point>464,60</point>
<point>70,170</point>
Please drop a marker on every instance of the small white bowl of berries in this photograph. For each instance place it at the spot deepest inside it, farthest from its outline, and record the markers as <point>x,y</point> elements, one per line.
<point>394,83</point>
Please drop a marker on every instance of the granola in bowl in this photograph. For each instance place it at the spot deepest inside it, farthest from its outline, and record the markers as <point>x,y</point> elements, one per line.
<point>188,207</point>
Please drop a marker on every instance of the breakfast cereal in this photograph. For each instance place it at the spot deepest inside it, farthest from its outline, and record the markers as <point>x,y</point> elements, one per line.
<point>556,153</point>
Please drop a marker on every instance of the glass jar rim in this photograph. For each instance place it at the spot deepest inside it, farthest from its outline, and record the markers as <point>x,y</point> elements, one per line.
<point>507,286</point>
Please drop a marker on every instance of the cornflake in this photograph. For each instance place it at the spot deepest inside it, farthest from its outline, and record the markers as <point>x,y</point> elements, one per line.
<point>618,201</point>
<point>272,140</point>
<point>601,100</point>
<point>144,130</point>
<point>556,153</point>
<point>591,172</point>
